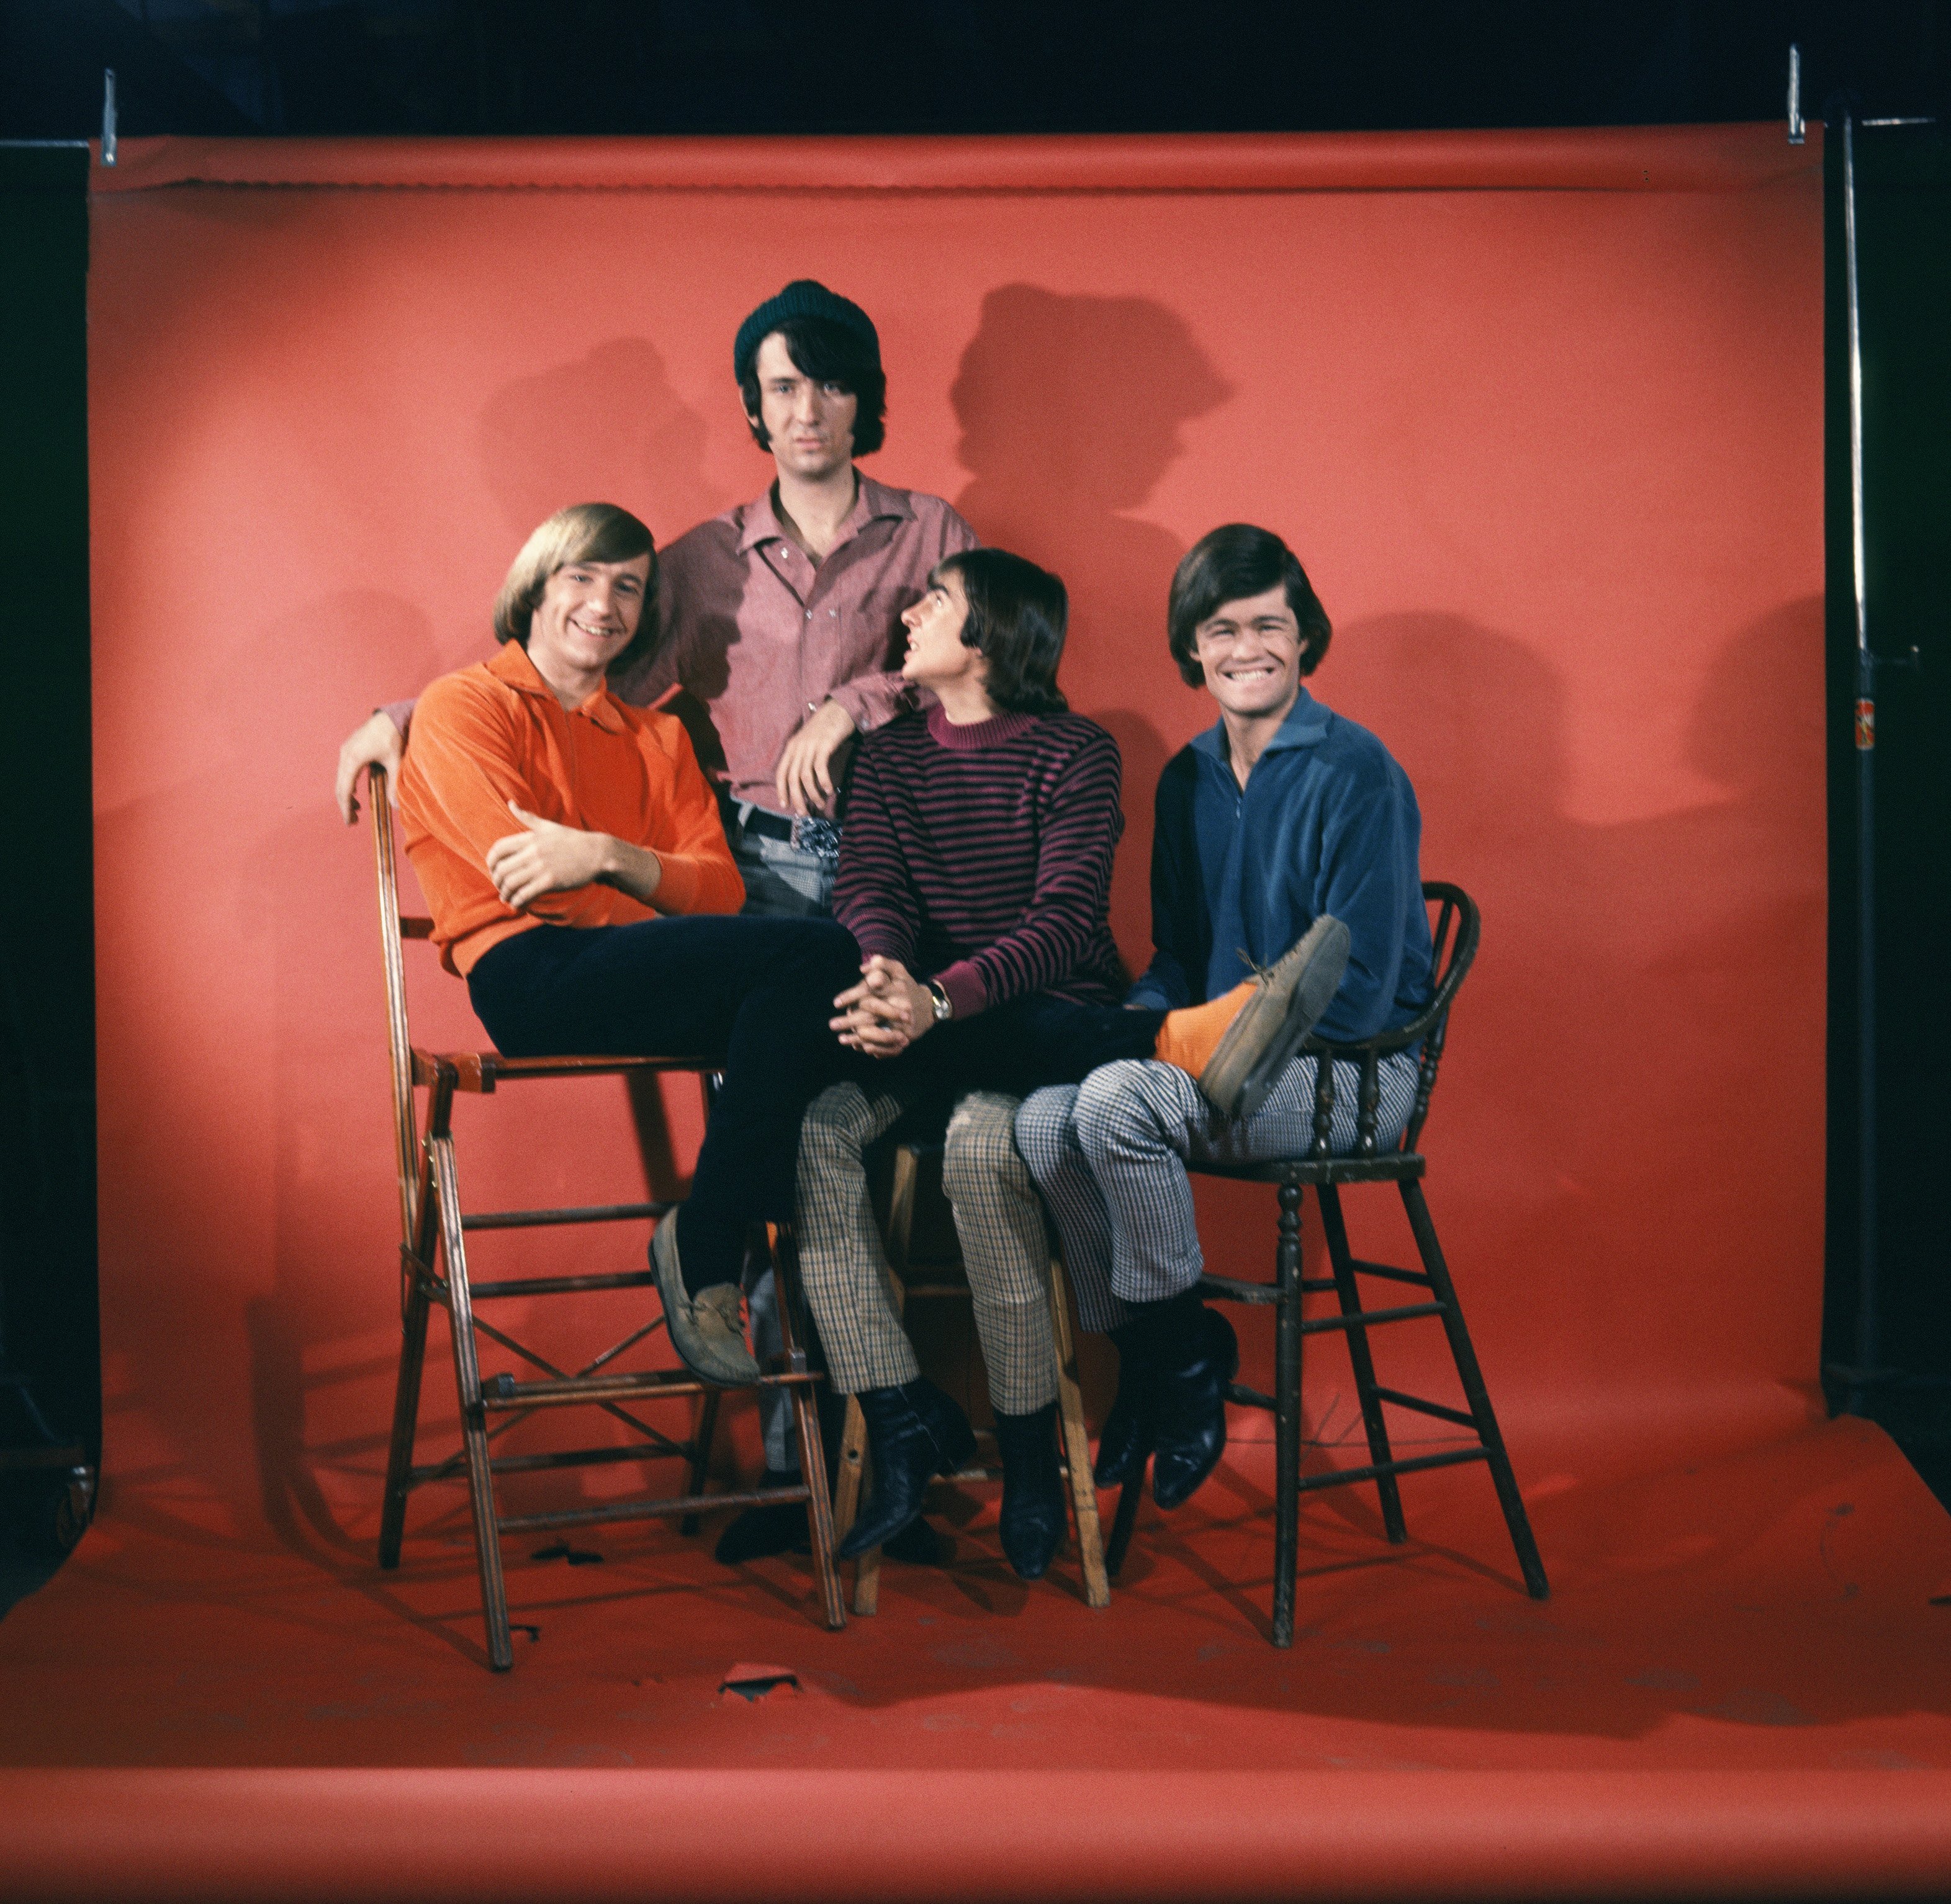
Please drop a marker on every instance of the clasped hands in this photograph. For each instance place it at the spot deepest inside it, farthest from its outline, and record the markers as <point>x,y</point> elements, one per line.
<point>886,1012</point>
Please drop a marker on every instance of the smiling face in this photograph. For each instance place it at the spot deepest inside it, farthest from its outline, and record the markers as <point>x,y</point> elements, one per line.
<point>586,618</point>
<point>810,425</point>
<point>1251,652</point>
<point>936,657</point>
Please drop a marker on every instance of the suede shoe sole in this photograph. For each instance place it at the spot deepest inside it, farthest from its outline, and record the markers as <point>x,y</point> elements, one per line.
<point>1261,1040</point>
<point>705,1329</point>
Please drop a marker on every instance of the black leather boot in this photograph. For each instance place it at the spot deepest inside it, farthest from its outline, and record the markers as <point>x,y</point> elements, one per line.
<point>1033,1505</point>
<point>1125,1442</point>
<point>1189,1409</point>
<point>914,1432</point>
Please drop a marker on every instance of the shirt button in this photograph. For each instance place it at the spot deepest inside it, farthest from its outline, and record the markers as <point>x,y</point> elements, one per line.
<point>809,615</point>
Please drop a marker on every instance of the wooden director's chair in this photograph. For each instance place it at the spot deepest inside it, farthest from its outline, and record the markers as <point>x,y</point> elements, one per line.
<point>433,1269</point>
<point>1432,1294</point>
<point>914,1282</point>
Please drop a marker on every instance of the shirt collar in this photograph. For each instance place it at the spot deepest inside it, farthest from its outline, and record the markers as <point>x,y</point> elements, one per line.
<point>511,667</point>
<point>1306,726</point>
<point>871,502</point>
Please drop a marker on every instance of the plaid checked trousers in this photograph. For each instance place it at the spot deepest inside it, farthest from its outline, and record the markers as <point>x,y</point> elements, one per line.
<point>999,1221</point>
<point>1110,1156</point>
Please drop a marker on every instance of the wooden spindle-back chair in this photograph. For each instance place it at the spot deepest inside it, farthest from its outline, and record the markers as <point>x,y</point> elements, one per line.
<point>434,1271</point>
<point>1454,931</point>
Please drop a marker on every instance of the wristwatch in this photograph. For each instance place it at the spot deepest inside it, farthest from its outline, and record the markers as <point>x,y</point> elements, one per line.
<point>944,1009</point>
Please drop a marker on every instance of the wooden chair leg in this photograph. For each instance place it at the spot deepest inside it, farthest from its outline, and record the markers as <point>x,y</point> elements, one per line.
<point>848,1486</point>
<point>1077,1447</point>
<point>1287,1414</point>
<point>806,1424</point>
<point>474,1420</point>
<point>1129,1496</point>
<point>1475,1392</point>
<point>420,1245</point>
<point>406,1390</point>
<point>900,1228</point>
<point>1347,1293</point>
<point>867,1568</point>
<point>703,1434</point>
<point>406,1422</point>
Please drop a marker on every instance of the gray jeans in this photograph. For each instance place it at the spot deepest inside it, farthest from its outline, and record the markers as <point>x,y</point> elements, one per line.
<point>783,880</point>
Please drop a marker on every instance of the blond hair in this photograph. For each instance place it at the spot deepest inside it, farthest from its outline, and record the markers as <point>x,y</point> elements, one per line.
<point>582,532</point>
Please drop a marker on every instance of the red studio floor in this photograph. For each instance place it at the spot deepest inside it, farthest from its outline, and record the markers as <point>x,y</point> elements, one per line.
<point>1741,1685</point>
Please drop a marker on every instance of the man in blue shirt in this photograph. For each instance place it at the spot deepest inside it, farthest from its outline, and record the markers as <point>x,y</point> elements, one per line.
<point>1280,814</point>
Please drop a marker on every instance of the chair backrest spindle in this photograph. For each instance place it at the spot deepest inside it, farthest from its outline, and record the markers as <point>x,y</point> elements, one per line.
<point>406,1139</point>
<point>1324,1109</point>
<point>1453,946</point>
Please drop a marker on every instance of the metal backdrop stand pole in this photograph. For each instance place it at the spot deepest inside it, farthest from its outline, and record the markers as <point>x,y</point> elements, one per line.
<point>1865,1357</point>
<point>1866,1369</point>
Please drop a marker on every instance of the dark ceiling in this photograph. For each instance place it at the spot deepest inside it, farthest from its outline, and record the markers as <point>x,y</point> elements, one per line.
<point>458,67</point>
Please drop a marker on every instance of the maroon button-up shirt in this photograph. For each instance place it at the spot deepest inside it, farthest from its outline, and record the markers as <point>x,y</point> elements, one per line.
<point>757,633</point>
<point>753,630</point>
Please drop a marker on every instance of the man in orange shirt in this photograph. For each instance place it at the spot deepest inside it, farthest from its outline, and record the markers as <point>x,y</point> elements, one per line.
<point>571,853</point>
<point>782,618</point>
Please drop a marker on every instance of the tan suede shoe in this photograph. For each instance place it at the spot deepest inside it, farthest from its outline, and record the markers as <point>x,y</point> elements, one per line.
<point>1293,993</point>
<point>706,1329</point>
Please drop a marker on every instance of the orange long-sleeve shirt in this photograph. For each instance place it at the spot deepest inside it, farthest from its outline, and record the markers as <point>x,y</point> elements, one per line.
<point>495,733</point>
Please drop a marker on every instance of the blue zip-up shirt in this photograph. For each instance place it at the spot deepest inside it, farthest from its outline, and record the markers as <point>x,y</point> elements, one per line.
<point>1327,822</point>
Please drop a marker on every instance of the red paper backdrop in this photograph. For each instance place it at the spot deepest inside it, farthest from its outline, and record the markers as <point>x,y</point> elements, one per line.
<point>1552,456</point>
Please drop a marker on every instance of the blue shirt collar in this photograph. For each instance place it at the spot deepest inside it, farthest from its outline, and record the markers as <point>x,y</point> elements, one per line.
<point>1306,726</point>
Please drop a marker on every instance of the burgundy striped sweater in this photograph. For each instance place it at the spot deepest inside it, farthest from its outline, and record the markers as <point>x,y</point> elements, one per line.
<point>981,855</point>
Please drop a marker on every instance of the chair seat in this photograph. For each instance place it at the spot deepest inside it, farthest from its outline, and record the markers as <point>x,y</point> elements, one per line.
<point>482,1070</point>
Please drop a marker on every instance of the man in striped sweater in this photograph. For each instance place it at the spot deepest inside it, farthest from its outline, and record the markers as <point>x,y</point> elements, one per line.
<point>978,853</point>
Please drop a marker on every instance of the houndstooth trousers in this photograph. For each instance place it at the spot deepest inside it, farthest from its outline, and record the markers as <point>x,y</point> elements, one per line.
<point>1110,1156</point>
<point>999,1221</point>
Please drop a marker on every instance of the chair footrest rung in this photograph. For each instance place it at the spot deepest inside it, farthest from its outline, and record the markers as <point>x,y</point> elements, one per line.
<point>1233,1290</point>
<point>1390,1270</point>
<point>592,1213</point>
<point>504,1391</point>
<point>560,1286</point>
<point>452,1468</point>
<point>638,1510</point>
<point>1462,1417</point>
<point>1249,1398</point>
<point>1341,1477</point>
<point>1369,1318</point>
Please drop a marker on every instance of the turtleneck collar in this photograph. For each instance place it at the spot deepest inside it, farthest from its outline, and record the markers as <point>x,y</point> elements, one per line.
<point>973,735</point>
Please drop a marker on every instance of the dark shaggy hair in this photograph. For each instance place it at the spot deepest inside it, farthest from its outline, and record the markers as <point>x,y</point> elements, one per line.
<point>1017,615</point>
<point>583,532</point>
<point>828,353</point>
<point>1228,565</point>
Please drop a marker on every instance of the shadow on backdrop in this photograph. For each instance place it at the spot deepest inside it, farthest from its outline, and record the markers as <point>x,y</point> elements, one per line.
<point>1071,408</point>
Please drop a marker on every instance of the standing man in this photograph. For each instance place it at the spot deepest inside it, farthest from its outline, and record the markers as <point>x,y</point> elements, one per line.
<point>1282,813</point>
<point>782,618</point>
